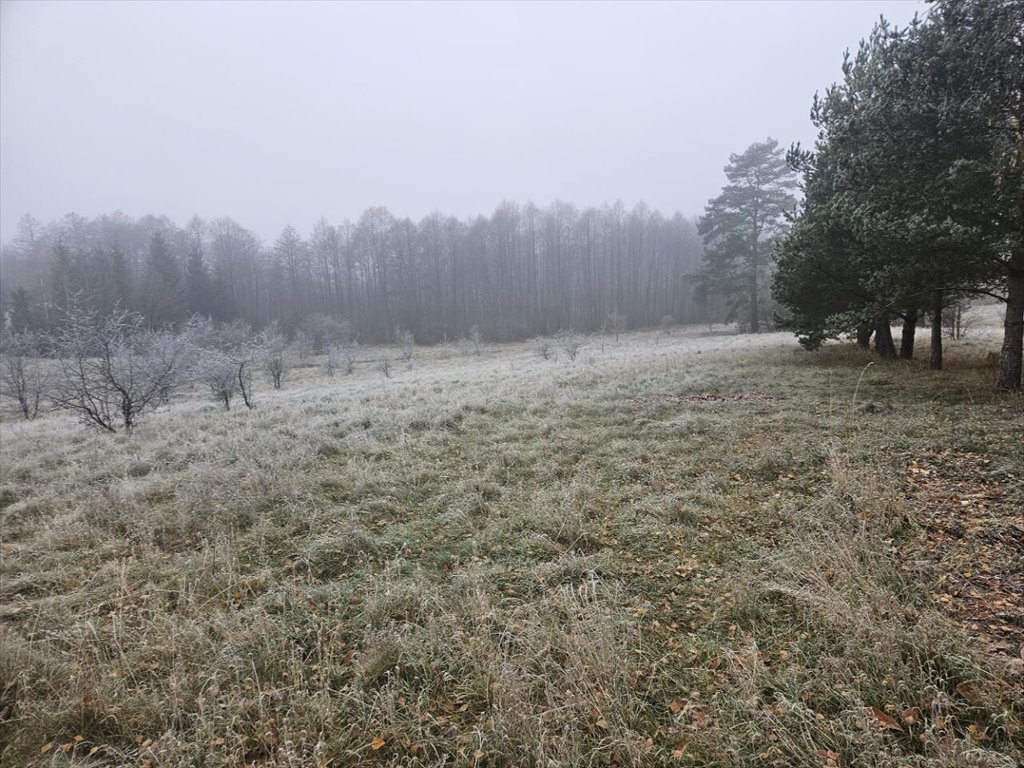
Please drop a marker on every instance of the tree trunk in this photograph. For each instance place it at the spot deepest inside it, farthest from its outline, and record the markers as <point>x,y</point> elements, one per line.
<point>884,345</point>
<point>1010,361</point>
<point>935,363</point>
<point>755,311</point>
<point>907,340</point>
<point>864,331</point>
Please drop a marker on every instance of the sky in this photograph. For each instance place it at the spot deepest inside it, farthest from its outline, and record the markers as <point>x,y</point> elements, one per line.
<point>283,113</point>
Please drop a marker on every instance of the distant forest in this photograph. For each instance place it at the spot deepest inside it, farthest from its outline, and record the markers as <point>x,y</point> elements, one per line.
<point>524,271</point>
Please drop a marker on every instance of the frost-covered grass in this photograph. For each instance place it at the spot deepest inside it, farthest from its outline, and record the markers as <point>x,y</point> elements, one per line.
<point>497,559</point>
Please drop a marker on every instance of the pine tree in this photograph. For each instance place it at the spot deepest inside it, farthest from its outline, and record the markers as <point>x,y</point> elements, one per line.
<point>740,226</point>
<point>165,300</point>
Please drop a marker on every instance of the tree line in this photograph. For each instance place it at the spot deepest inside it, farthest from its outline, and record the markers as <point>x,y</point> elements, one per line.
<point>914,189</point>
<point>522,272</point>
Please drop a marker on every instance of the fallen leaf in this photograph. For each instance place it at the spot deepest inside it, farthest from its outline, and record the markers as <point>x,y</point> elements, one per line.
<point>966,691</point>
<point>911,716</point>
<point>676,706</point>
<point>885,720</point>
<point>377,743</point>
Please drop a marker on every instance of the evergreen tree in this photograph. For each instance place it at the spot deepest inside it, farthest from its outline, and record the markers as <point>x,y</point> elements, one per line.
<point>740,226</point>
<point>198,283</point>
<point>164,295</point>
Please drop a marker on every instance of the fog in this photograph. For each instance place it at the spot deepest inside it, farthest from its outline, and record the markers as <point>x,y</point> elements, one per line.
<point>283,113</point>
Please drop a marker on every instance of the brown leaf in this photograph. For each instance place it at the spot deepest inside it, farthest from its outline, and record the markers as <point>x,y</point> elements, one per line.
<point>911,716</point>
<point>885,720</point>
<point>377,743</point>
<point>676,706</point>
<point>966,691</point>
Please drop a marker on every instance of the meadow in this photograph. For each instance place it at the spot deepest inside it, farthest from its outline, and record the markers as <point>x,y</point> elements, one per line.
<point>685,549</point>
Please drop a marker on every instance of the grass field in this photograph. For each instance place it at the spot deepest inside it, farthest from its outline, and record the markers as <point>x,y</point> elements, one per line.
<point>687,550</point>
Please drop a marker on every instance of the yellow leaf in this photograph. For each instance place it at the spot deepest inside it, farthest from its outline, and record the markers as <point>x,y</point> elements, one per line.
<point>377,743</point>
<point>602,723</point>
<point>46,748</point>
<point>79,738</point>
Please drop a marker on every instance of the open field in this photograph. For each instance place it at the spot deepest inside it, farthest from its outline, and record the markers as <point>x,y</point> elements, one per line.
<point>687,550</point>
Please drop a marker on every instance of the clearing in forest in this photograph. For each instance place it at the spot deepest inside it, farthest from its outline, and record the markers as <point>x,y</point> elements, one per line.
<point>690,549</point>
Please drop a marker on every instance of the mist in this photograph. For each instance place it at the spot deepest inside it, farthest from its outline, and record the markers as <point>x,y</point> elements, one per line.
<point>282,113</point>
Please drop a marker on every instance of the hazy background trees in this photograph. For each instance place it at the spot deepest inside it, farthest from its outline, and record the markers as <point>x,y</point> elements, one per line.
<point>522,272</point>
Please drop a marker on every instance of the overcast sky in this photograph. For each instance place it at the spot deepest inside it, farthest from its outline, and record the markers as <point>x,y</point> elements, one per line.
<point>282,113</point>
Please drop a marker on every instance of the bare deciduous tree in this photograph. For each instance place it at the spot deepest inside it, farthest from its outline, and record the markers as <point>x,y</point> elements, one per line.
<point>217,371</point>
<point>113,370</point>
<point>233,347</point>
<point>616,323</point>
<point>542,346</point>
<point>22,376</point>
<point>407,341</point>
<point>275,357</point>
<point>570,342</point>
<point>476,340</point>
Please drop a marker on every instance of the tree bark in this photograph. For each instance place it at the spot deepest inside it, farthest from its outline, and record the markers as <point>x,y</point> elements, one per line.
<point>907,339</point>
<point>864,331</point>
<point>1010,361</point>
<point>935,362</point>
<point>884,345</point>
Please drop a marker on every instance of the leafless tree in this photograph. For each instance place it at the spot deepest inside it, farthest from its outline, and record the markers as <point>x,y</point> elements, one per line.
<point>407,341</point>
<point>275,357</point>
<point>476,340</point>
<point>303,343</point>
<point>348,357</point>
<point>542,346</point>
<point>113,370</point>
<point>570,342</point>
<point>22,376</point>
<point>616,323</point>
<point>229,348</point>
<point>954,319</point>
<point>218,372</point>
